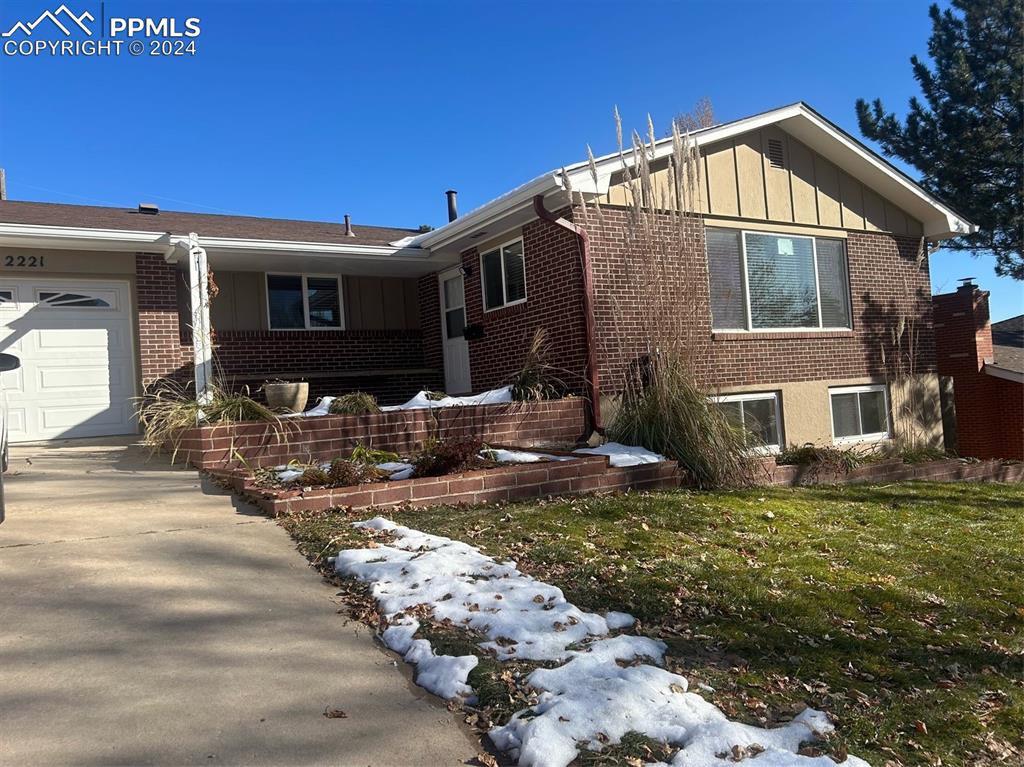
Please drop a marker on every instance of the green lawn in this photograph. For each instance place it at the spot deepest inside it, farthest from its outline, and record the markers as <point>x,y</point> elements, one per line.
<point>899,608</point>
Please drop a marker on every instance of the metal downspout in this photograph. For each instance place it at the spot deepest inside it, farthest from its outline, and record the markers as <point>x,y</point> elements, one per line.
<point>593,382</point>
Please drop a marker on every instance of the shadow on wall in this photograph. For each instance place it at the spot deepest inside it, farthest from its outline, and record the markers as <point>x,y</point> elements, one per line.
<point>900,346</point>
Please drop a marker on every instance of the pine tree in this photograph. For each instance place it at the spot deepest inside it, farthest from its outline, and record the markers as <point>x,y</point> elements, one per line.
<point>968,142</point>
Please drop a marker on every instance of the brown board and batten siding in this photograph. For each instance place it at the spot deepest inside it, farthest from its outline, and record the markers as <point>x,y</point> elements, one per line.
<point>370,303</point>
<point>768,175</point>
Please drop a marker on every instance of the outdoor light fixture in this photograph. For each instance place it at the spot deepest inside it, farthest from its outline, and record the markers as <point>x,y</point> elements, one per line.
<point>465,271</point>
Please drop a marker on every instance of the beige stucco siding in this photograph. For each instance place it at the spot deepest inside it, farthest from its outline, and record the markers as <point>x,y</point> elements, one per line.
<point>807,414</point>
<point>739,180</point>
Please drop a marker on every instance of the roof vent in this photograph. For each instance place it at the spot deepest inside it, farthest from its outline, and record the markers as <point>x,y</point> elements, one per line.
<point>776,154</point>
<point>148,209</point>
<point>348,226</point>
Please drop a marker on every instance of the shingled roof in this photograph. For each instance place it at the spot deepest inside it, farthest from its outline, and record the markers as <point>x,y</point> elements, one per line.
<point>204,224</point>
<point>1008,343</point>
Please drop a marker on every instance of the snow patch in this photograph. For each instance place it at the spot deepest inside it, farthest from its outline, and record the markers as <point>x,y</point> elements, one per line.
<point>618,620</point>
<point>422,400</point>
<point>521,456</point>
<point>623,455</point>
<point>396,469</point>
<point>605,687</point>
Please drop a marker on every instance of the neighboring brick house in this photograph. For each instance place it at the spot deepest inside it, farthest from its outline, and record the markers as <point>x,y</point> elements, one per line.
<point>986,364</point>
<point>786,198</point>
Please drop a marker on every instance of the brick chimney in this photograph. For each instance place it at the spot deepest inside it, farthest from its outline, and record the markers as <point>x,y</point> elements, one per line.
<point>963,333</point>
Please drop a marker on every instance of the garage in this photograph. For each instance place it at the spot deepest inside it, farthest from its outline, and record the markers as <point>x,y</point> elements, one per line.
<point>74,339</point>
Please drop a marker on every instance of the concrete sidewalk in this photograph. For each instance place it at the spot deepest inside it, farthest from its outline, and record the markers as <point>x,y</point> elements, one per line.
<point>145,620</point>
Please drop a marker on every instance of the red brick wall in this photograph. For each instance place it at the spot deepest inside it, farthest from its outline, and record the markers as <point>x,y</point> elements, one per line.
<point>554,300</point>
<point>497,485</point>
<point>989,410</point>
<point>156,300</point>
<point>885,279</point>
<point>251,357</point>
<point>556,422</point>
<point>430,322</point>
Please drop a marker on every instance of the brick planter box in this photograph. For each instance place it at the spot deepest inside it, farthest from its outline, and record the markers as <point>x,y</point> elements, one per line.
<point>534,424</point>
<point>511,482</point>
<point>948,470</point>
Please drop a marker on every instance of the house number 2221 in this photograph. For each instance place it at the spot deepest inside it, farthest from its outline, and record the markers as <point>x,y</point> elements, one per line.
<point>31,262</point>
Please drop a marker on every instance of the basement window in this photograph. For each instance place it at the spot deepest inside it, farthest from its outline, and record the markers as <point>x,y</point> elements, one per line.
<point>757,414</point>
<point>503,276</point>
<point>304,302</point>
<point>859,413</point>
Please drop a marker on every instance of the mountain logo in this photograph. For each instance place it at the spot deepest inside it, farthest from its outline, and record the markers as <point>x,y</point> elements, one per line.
<point>63,12</point>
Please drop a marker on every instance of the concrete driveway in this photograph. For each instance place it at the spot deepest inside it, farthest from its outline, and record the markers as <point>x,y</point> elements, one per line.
<point>147,620</point>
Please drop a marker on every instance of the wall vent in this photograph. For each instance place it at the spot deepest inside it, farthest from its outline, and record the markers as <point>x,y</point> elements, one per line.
<point>776,154</point>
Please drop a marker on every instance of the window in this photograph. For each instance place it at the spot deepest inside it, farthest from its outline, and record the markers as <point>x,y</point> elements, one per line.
<point>454,308</point>
<point>757,414</point>
<point>859,413</point>
<point>6,297</point>
<point>72,300</point>
<point>503,275</point>
<point>303,302</point>
<point>763,281</point>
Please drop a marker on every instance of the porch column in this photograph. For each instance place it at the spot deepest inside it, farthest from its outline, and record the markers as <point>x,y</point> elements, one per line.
<point>202,344</point>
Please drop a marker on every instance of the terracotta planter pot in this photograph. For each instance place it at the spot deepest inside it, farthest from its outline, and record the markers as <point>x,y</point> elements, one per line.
<point>287,396</point>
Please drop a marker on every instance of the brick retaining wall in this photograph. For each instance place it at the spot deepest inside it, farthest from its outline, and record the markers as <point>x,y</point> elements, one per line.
<point>513,482</point>
<point>556,422</point>
<point>949,470</point>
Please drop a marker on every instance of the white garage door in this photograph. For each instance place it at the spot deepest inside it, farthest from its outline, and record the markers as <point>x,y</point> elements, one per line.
<point>77,367</point>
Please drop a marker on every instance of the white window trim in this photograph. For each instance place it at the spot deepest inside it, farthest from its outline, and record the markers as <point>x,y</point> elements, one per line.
<point>761,395</point>
<point>855,439</point>
<point>504,293</point>
<point>817,286</point>
<point>305,300</point>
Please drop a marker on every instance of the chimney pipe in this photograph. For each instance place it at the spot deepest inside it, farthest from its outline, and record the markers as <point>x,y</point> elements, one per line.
<point>453,211</point>
<point>348,226</point>
<point>3,184</point>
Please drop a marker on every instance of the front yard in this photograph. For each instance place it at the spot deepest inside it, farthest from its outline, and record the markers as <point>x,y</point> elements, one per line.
<point>897,609</point>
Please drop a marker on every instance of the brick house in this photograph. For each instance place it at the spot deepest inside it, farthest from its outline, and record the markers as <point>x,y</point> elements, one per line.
<point>985,363</point>
<point>98,299</point>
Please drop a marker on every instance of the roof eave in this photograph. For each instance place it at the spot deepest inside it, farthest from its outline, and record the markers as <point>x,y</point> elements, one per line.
<point>118,240</point>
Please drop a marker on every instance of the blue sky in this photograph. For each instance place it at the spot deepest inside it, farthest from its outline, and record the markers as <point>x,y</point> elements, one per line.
<point>313,110</point>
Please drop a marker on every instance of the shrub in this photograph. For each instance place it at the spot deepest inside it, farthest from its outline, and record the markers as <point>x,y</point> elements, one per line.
<point>435,396</point>
<point>169,408</point>
<point>665,411</point>
<point>536,380</point>
<point>657,339</point>
<point>313,475</point>
<point>920,453</point>
<point>821,458</point>
<point>354,403</point>
<point>344,472</point>
<point>369,455</point>
<point>448,456</point>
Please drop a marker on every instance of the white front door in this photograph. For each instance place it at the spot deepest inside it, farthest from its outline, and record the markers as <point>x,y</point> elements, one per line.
<point>74,340</point>
<point>453,322</point>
